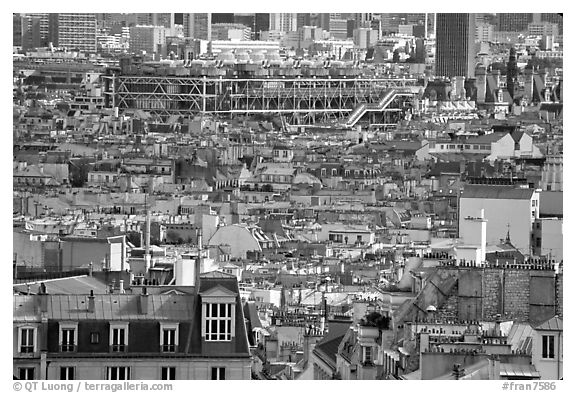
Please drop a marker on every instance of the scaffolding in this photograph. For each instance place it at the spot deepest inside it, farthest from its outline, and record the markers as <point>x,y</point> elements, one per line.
<point>298,100</point>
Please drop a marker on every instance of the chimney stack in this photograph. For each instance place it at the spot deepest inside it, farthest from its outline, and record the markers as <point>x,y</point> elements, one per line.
<point>91,305</point>
<point>143,301</point>
<point>43,298</point>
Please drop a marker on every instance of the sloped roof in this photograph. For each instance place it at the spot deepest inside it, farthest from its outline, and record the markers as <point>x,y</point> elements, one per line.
<point>496,192</point>
<point>554,323</point>
<point>66,286</point>
<point>112,307</point>
<point>520,337</point>
<point>518,371</point>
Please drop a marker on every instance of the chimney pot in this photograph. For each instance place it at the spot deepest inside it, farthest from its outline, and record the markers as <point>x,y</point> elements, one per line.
<point>91,305</point>
<point>143,302</point>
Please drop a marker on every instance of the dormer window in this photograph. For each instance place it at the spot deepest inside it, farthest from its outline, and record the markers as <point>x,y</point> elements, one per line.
<point>169,337</point>
<point>27,339</point>
<point>68,336</point>
<point>218,314</point>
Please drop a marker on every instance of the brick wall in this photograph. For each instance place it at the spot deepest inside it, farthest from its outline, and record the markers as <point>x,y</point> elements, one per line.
<point>516,294</point>
<point>560,295</point>
<point>491,293</point>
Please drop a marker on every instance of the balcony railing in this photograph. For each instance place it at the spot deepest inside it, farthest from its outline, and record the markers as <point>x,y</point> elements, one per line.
<point>67,348</point>
<point>169,348</point>
<point>118,348</point>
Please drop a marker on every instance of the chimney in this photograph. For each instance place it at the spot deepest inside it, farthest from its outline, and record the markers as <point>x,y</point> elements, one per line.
<point>143,302</point>
<point>42,298</point>
<point>197,271</point>
<point>91,305</point>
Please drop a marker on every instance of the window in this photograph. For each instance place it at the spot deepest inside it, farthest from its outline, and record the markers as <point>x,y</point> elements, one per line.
<point>218,322</point>
<point>334,171</point>
<point>168,373</point>
<point>26,373</point>
<point>117,373</point>
<point>368,354</point>
<point>68,340</point>
<point>169,337</point>
<point>66,373</point>
<point>68,337</point>
<point>27,340</point>
<point>218,373</point>
<point>547,347</point>
<point>119,337</point>
<point>94,338</point>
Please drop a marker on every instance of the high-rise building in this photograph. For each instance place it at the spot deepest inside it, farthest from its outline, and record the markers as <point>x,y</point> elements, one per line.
<point>484,32</point>
<point>198,26</point>
<point>76,31</point>
<point>338,29</point>
<point>222,18</point>
<point>554,18</point>
<point>302,20</point>
<point>147,38</point>
<point>16,30</point>
<point>37,30</point>
<point>261,24</point>
<point>455,54</point>
<point>514,22</point>
<point>543,29</point>
<point>284,22</point>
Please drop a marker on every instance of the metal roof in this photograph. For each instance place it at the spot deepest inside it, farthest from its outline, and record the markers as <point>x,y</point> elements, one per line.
<point>110,307</point>
<point>554,323</point>
<point>518,370</point>
<point>496,192</point>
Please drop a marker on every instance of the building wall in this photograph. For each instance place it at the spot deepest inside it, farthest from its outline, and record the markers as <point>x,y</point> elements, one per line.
<point>550,369</point>
<point>144,369</point>
<point>532,295</point>
<point>77,253</point>
<point>28,252</point>
<point>455,34</point>
<point>500,213</point>
<point>551,239</point>
<point>238,238</point>
<point>504,148</point>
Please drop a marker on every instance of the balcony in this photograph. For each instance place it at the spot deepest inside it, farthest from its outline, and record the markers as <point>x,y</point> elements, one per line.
<point>120,348</point>
<point>169,348</point>
<point>68,348</point>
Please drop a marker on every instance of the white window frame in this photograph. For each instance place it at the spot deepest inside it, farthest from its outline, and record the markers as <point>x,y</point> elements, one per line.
<point>68,326</point>
<point>368,355</point>
<point>34,338</point>
<point>68,368</point>
<point>546,340</point>
<point>220,373</point>
<point>117,325</point>
<point>168,367</point>
<point>208,318</point>
<point>169,326</point>
<point>28,369</point>
<point>127,370</point>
